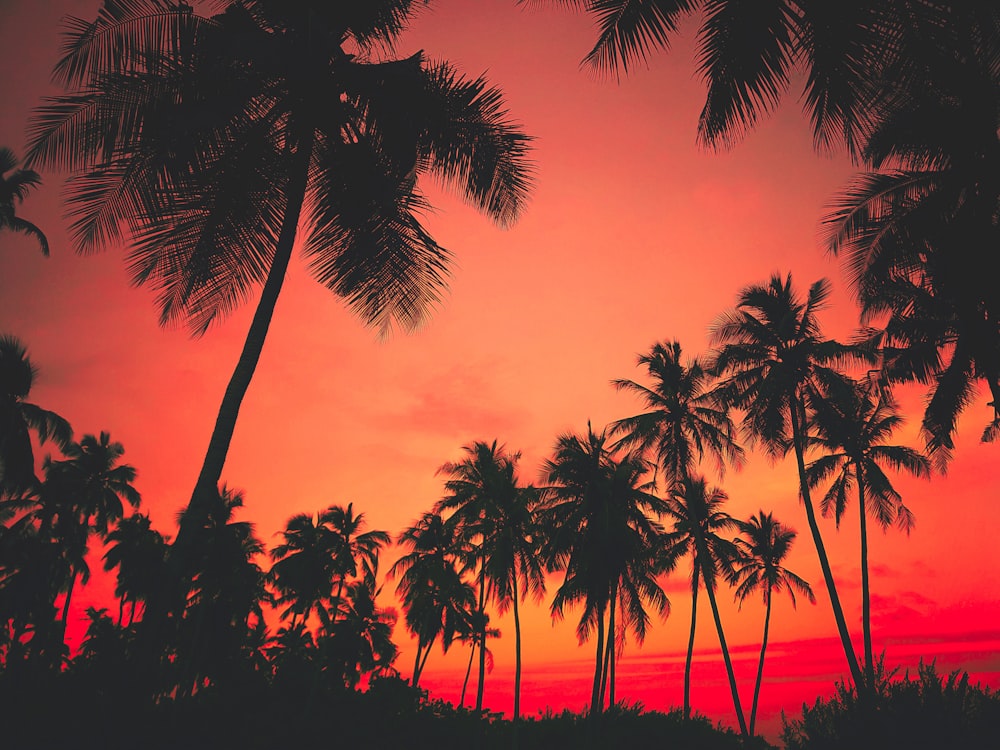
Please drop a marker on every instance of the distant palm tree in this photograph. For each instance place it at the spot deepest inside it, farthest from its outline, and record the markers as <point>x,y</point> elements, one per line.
<point>14,188</point>
<point>18,418</point>
<point>139,552</point>
<point>759,569</point>
<point>598,529</point>
<point>303,570</point>
<point>360,642</point>
<point>85,493</point>
<point>436,601</point>
<point>683,421</point>
<point>698,518</point>
<point>777,367</point>
<point>852,430</point>
<point>214,139</point>
<point>355,552</point>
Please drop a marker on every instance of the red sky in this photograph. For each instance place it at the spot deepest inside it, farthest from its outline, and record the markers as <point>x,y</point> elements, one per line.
<point>634,234</point>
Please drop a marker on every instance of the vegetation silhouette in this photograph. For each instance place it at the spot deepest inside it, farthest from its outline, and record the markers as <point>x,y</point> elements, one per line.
<point>15,185</point>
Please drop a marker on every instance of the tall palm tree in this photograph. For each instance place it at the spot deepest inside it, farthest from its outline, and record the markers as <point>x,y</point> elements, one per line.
<point>759,568</point>
<point>138,551</point>
<point>14,188</point>
<point>18,417</point>
<point>85,493</point>
<point>698,518</point>
<point>303,569</point>
<point>777,367</point>
<point>436,600</point>
<point>355,552</point>
<point>213,139</point>
<point>852,430</point>
<point>481,488</point>
<point>598,529</point>
<point>683,421</point>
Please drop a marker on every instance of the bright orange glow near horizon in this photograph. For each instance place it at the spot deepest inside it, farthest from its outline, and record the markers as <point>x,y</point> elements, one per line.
<point>634,235</point>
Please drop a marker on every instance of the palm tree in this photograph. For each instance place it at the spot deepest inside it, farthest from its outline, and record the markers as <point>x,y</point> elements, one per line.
<point>852,431</point>
<point>18,418</point>
<point>15,188</point>
<point>213,139</point>
<point>361,641</point>
<point>759,568</point>
<point>84,493</point>
<point>683,421</point>
<point>303,568</point>
<point>353,550</point>
<point>481,488</point>
<point>777,367</point>
<point>598,530</point>
<point>138,551</point>
<point>436,601</point>
<point>698,518</point>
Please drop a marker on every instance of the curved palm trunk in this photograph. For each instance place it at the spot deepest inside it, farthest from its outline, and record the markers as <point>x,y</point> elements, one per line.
<point>595,695</point>
<point>67,600</point>
<point>710,590</point>
<point>225,423</point>
<point>690,651</point>
<point>468,673</point>
<point>482,634</point>
<point>517,651</point>
<point>824,561</point>
<point>760,664</point>
<point>608,679</point>
<point>416,664</point>
<point>866,598</point>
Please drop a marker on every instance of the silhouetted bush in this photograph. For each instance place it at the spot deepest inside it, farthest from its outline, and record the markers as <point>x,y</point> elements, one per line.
<point>926,712</point>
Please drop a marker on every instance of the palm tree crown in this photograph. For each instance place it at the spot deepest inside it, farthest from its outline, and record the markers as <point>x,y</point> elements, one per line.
<point>14,188</point>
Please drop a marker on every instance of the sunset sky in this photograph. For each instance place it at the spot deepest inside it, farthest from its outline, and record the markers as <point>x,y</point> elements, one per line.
<point>634,234</point>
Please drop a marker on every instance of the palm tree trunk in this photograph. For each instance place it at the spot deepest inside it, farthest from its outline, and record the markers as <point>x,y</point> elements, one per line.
<point>710,590</point>
<point>690,651</point>
<point>66,601</point>
<point>760,664</point>
<point>482,633</point>
<point>517,649</point>
<point>595,695</point>
<point>416,665</point>
<point>427,653</point>
<point>866,598</point>
<point>607,688</point>
<point>824,561</point>
<point>225,423</point>
<point>468,673</point>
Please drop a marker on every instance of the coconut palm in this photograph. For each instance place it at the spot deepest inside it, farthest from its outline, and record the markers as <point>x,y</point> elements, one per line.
<point>213,139</point>
<point>698,519</point>
<point>683,422</point>
<point>598,529</point>
<point>360,642</point>
<point>759,568</point>
<point>19,417</point>
<point>776,367</point>
<point>852,431</point>
<point>303,569</point>
<point>14,188</point>
<point>436,601</point>
<point>138,551</point>
<point>355,552</point>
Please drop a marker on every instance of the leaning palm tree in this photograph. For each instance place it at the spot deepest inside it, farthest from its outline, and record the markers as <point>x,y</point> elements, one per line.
<point>759,568</point>
<point>14,188</point>
<point>214,139</point>
<point>698,518</point>
<point>683,422</point>
<point>19,417</point>
<point>776,367</point>
<point>436,600</point>
<point>852,430</point>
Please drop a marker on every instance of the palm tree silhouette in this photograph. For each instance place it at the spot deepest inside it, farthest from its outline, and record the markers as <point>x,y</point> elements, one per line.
<point>852,431</point>
<point>597,530</point>
<point>18,417</point>
<point>360,642</point>
<point>683,421</point>
<point>14,188</point>
<point>355,552</point>
<point>303,568</point>
<point>698,517</point>
<point>138,551</point>
<point>759,569</point>
<point>215,139</point>
<point>777,367</point>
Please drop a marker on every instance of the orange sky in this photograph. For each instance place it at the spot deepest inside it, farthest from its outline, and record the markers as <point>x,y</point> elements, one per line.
<point>633,235</point>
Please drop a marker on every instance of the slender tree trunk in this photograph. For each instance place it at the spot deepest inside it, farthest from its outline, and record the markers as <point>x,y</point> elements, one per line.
<point>416,665</point>
<point>595,695</point>
<point>427,653</point>
<point>468,673</point>
<point>66,601</point>
<point>824,562</point>
<point>225,423</point>
<point>710,590</point>
<point>760,664</point>
<point>611,674</point>
<point>866,598</point>
<point>690,651</point>
<point>482,633</point>
<point>607,688</point>
<point>517,650</point>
